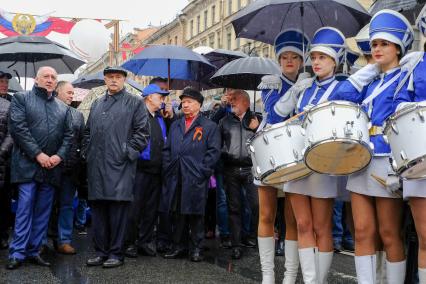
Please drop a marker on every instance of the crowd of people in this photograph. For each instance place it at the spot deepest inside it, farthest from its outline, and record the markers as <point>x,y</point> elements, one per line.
<point>160,180</point>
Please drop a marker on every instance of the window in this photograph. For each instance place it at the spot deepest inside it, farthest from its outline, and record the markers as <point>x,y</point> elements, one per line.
<point>198,24</point>
<point>204,42</point>
<point>229,7</point>
<point>176,40</point>
<point>219,44</point>
<point>238,43</point>
<point>265,52</point>
<point>213,14</point>
<point>228,39</point>
<point>211,41</point>
<point>191,28</point>
<point>205,20</point>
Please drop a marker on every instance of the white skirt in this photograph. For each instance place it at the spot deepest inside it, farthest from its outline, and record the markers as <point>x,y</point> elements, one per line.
<point>314,185</point>
<point>279,187</point>
<point>363,183</point>
<point>414,188</point>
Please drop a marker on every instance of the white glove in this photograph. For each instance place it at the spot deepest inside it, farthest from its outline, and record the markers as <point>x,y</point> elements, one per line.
<point>364,76</point>
<point>393,184</point>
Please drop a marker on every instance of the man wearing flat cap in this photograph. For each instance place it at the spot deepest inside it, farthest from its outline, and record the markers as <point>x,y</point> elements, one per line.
<point>143,212</point>
<point>189,156</point>
<point>116,132</point>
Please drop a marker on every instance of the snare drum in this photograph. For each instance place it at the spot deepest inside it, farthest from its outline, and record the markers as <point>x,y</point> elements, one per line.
<point>276,153</point>
<point>337,138</point>
<point>405,131</point>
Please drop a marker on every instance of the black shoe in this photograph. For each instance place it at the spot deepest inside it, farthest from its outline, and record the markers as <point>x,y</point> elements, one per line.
<point>236,253</point>
<point>39,261</point>
<point>225,242</point>
<point>175,253</point>
<point>13,263</point>
<point>96,261</point>
<point>131,252</point>
<point>112,262</point>
<point>4,244</point>
<point>279,250</point>
<point>146,250</point>
<point>196,255</point>
<point>248,243</point>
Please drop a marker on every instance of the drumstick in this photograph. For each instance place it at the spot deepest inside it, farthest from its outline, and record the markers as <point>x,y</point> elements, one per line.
<point>383,182</point>
<point>296,116</point>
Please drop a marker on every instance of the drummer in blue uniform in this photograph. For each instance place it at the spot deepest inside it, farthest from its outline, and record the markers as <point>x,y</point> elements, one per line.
<point>312,197</point>
<point>374,86</point>
<point>414,90</point>
<point>289,48</point>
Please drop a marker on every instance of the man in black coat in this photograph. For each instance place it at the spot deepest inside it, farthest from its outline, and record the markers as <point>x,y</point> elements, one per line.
<point>117,130</point>
<point>40,126</point>
<point>5,148</point>
<point>236,129</point>
<point>189,156</point>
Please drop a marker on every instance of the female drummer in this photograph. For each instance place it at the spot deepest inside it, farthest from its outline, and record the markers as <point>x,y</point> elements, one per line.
<point>374,191</point>
<point>415,191</point>
<point>289,49</point>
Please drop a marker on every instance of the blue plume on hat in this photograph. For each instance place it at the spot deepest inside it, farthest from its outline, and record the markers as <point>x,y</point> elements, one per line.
<point>330,41</point>
<point>291,40</point>
<point>363,40</point>
<point>392,26</point>
<point>421,21</point>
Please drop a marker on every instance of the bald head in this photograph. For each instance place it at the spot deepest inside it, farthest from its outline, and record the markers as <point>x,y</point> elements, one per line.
<point>46,78</point>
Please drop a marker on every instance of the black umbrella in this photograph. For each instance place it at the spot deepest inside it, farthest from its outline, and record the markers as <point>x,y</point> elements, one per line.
<point>409,8</point>
<point>96,80</point>
<point>219,57</point>
<point>245,73</point>
<point>25,54</point>
<point>263,20</point>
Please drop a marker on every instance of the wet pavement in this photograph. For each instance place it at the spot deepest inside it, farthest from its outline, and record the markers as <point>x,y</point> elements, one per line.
<point>218,267</point>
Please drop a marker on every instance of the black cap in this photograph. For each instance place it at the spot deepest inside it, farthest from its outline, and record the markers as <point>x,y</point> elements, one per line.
<point>192,93</point>
<point>5,74</point>
<point>115,69</point>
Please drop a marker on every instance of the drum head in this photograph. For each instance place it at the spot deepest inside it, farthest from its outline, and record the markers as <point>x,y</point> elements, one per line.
<point>337,157</point>
<point>286,174</point>
<point>416,171</point>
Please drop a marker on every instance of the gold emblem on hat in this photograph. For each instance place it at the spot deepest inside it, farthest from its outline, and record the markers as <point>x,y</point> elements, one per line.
<point>24,24</point>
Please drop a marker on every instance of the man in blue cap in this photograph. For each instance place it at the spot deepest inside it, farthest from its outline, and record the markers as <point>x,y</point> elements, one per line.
<point>147,188</point>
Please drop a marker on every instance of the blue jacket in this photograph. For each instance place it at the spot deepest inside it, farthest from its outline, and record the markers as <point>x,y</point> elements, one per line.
<point>190,156</point>
<point>416,92</point>
<point>146,153</point>
<point>308,95</point>
<point>271,97</point>
<point>379,109</point>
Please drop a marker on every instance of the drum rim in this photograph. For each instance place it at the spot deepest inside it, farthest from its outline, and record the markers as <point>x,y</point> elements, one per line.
<point>273,127</point>
<point>264,175</point>
<point>405,167</point>
<point>338,140</point>
<point>406,110</point>
<point>295,179</point>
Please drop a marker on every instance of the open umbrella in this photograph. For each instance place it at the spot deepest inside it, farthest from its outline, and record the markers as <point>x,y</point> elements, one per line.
<point>25,54</point>
<point>219,57</point>
<point>409,8</point>
<point>263,20</point>
<point>96,80</point>
<point>170,61</point>
<point>245,73</point>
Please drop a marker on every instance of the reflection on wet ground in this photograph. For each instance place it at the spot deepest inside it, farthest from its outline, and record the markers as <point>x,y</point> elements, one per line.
<point>218,267</point>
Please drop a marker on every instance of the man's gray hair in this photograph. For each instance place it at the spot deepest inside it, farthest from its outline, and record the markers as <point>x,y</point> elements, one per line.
<point>242,93</point>
<point>42,68</point>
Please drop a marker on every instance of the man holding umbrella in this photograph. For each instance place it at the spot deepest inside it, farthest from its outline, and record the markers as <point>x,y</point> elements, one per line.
<point>116,132</point>
<point>189,156</point>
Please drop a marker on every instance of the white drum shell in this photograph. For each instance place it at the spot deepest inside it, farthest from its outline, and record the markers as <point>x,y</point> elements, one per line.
<point>406,133</point>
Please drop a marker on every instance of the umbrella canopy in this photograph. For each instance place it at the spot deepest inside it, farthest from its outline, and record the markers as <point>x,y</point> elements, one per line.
<point>169,61</point>
<point>96,80</point>
<point>245,73</point>
<point>263,20</point>
<point>219,57</point>
<point>409,8</point>
<point>25,54</point>
<point>14,85</point>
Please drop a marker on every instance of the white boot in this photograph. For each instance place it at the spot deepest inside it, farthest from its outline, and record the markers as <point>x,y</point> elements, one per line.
<point>395,272</point>
<point>291,253</point>
<point>366,269</point>
<point>308,261</point>
<point>324,264</point>
<point>267,254</point>
<point>422,275</point>
<point>381,267</point>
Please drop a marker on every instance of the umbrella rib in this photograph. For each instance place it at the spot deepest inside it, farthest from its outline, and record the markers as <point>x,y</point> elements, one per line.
<point>319,16</point>
<point>282,23</point>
